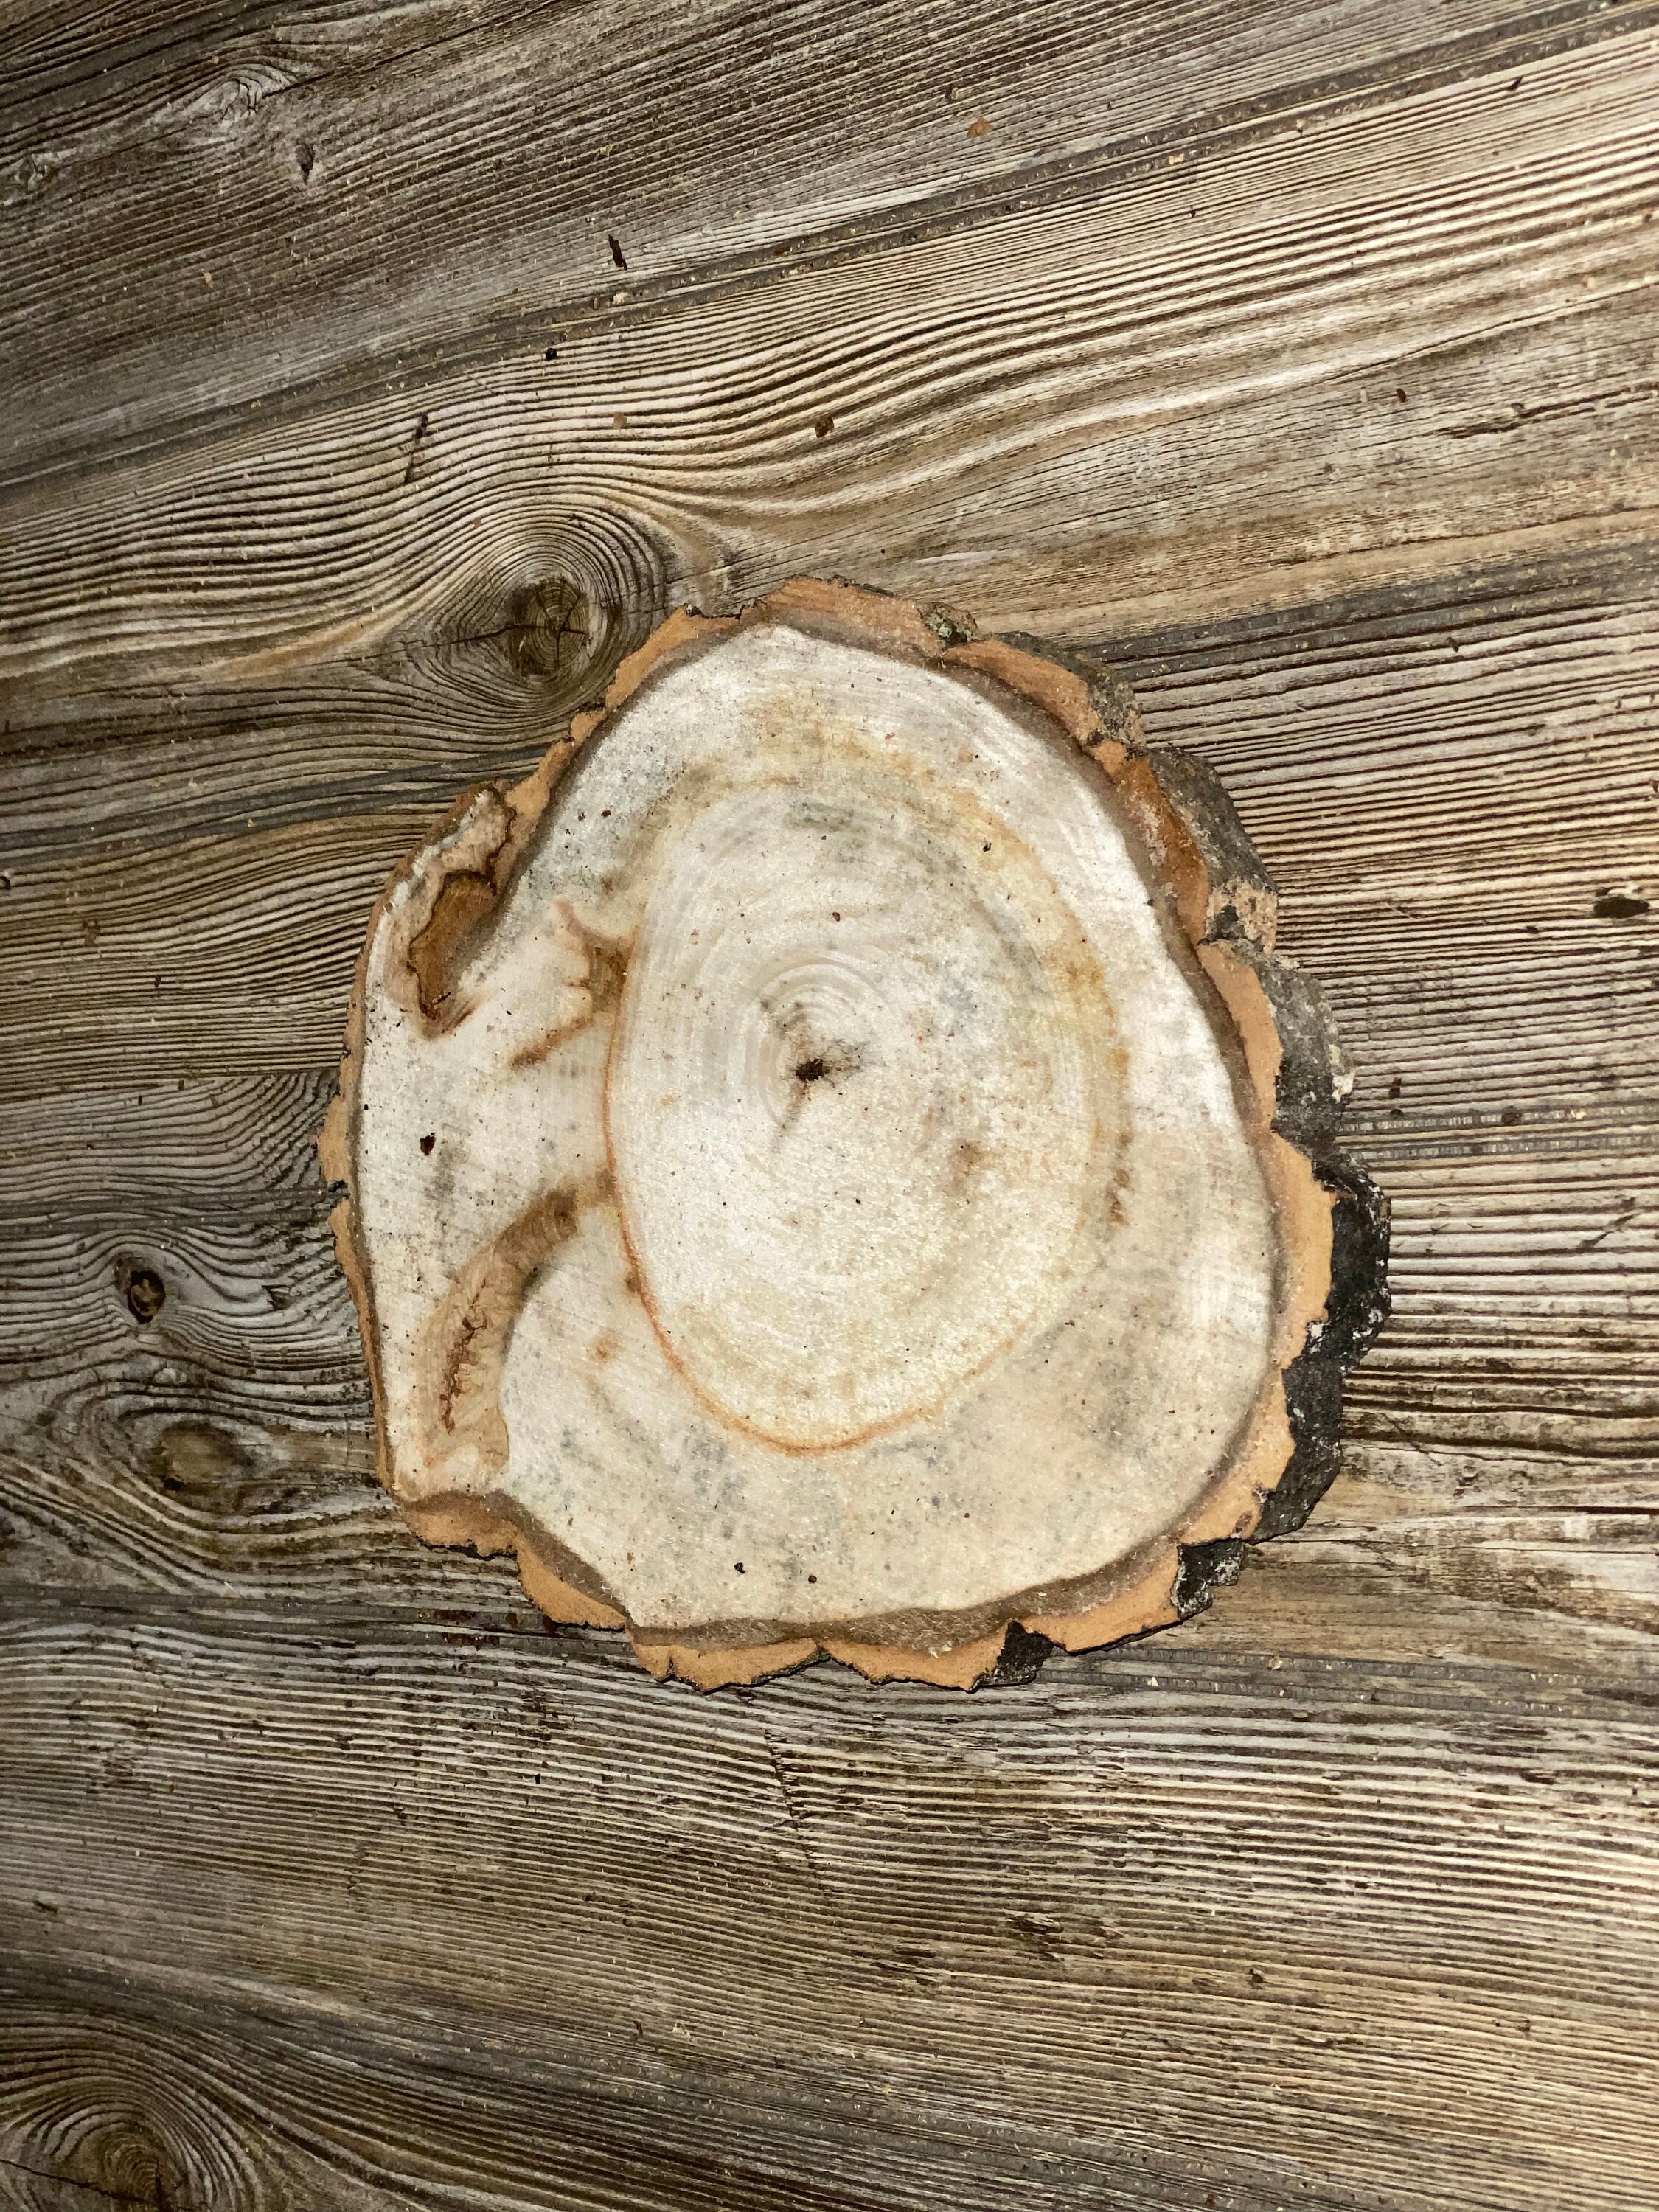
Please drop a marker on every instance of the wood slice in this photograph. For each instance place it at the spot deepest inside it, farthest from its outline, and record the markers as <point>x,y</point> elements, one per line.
<point>833,1166</point>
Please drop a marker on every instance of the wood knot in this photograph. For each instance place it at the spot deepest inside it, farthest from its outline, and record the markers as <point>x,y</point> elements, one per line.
<point>142,1287</point>
<point>550,629</point>
<point>143,2133</point>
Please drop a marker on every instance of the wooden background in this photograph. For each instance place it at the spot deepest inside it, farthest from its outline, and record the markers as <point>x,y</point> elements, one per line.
<point>1300,361</point>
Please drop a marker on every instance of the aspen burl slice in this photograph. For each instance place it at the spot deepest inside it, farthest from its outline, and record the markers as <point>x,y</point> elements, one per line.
<point>834,1165</point>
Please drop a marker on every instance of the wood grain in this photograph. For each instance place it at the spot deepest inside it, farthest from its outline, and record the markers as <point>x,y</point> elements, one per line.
<point>1424,1948</point>
<point>197,210</point>
<point>1108,402</point>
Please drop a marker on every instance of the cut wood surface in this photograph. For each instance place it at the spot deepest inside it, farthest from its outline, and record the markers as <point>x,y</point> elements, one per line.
<point>845,1109</point>
<point>1293,367</point>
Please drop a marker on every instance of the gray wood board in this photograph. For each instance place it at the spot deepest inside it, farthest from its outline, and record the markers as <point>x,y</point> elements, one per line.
<point>1162,1924</point>
<point>198,213</point>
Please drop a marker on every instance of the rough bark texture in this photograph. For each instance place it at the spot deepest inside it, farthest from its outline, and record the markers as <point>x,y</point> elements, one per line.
<point>328,1877</point>
<point>835,1166</point>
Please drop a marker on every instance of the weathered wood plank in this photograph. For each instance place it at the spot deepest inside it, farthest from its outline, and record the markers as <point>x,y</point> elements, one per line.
<point>1436,746</point>
<point>199,202</point>
<point>223,1447</point>
<point>76,77</point>
<point>405,728</point>
<point>1432,1944</point>
<point>1525,1281</point>
<point>1109,406</point>
<point>229,1516</point>
<point>236,954</point>
<point>303,2111</point>
<point>1499,1441</point>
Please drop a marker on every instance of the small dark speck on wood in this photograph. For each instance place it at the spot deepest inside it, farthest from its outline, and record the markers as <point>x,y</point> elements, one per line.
<point>616,253</point>
<point>1620,906</point>
<point>306,154</point>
